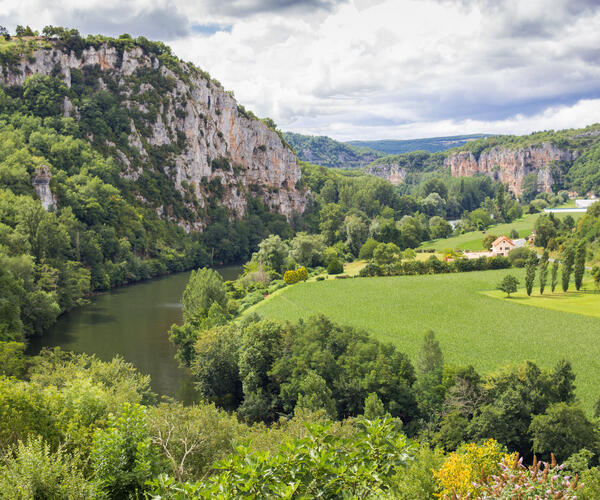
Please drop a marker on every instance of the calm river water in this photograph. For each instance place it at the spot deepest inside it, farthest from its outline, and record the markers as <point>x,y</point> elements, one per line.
<point>132,321</point>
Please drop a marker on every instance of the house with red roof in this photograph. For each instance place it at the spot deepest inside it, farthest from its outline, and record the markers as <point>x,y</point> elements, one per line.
<point>502,245</point>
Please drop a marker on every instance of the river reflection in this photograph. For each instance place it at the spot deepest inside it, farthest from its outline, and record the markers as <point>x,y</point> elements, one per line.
<point>132,321</point>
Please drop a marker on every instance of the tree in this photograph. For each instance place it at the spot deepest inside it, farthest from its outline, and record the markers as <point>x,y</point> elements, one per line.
<point>554,275</point>
<point>529,187</point>
<point>307,249</point>
<point>366,251</point>
<point>273,252</point>
<point>204,289</point>
<point>123,457</point>
<point>385,253</point>
<point>596,276</point>
<point>430,365</point>
<point>331,219</point>
<point>356,231</point>
<point>509,284</point>
<point>567,267</point>
<point>543,271</point>
<point>24,31</point>
<point>579,264</point>
<point>530,268</point>
<point>488,240</point>
<point>4,33</point>
<point>514,234</point>
<point>563,430</point>
<point>544,230</point>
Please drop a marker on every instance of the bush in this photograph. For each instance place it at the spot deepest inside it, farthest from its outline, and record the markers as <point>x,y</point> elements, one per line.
<point>320,278</point>
<point>291,277</point>
<point>31,470</point>
<point>302,274</point>
<point>335,267</point>
<point>370,269</point>
<point>518,256</point>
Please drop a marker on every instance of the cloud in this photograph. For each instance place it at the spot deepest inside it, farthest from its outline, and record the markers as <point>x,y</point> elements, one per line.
<point>372,68</point>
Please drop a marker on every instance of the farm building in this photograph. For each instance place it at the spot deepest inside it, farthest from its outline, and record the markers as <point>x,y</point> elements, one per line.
<point>502,245</point>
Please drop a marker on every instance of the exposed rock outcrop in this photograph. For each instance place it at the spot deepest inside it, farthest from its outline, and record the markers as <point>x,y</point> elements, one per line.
<point>41,184</point>
<point>215,141</point>
<point>510,166</point>
<point>389,171</point>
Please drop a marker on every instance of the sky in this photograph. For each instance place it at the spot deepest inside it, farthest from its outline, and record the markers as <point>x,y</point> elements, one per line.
<point>372,69</point>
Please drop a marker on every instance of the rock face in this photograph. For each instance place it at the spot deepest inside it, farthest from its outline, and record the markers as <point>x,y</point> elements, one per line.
<point>217,141</point>
<point>511,166</point>
<point>41,184</point>
<point>389,171</point>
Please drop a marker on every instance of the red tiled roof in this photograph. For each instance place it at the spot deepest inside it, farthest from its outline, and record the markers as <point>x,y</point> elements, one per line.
<point>501,239</point>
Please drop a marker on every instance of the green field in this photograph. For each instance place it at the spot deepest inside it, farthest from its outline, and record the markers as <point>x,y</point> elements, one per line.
<point>473,240</point>
<point>586,301</point>
<point>472,328</point>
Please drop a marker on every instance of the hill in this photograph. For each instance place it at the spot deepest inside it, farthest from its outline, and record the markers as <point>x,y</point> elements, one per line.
<point>547,161</point>
<point>327,152</point>
<point>120,162</point>
<point>431,145</point>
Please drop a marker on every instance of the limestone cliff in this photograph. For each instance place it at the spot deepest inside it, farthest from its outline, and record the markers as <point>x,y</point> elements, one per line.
<point>211,147</point>
<point>510,166</point>
<point>389,171</point>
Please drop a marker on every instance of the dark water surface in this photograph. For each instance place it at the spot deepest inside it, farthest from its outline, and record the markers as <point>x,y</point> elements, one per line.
<point>132,321</point>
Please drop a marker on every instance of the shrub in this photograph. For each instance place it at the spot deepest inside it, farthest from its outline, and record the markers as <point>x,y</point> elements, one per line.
<point>291,277</point>
<point>302,274</point>
<point>320,278</point>
<point>335,267</point>
<point>470,464</point>
<point>31,470</point>
<point>541,480</point>
<point>518,256</point>
<point>370,269</point>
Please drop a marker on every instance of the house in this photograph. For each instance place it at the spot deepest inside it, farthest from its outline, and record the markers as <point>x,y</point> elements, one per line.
<point>502,245</point>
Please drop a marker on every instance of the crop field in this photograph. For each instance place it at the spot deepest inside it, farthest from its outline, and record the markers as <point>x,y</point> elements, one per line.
<point>473,240</point>
<point>472,328</point>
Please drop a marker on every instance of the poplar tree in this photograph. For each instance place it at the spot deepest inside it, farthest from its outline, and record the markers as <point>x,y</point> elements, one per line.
<point>543,271</point>
<point>579,264</point>
<point>554,280</point>
<point>530,268</point>
<point>567,267</point>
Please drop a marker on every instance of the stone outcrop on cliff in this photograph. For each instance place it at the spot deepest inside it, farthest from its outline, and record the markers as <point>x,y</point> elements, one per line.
<point>212,139</point>
<point>510,166</point>
<point>41,184</point>
<point>389,171</point>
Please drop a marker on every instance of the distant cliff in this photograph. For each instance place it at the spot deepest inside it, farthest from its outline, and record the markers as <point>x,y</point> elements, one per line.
<point>182,129</point>
<point>510,166</point>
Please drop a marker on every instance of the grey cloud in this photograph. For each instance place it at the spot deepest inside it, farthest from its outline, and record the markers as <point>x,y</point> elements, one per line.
<point>163,23</point>
<point>243,8</point>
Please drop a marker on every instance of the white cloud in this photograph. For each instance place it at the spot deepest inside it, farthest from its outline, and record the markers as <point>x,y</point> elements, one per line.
<point>364,69</point>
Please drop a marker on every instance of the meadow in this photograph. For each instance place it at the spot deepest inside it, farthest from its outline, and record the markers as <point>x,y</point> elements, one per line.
<point>472,328</point>
<point>585,301</point>
<point>474,239</point>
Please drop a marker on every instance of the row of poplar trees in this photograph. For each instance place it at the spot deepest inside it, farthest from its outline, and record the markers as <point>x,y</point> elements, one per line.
<point>573,263</point>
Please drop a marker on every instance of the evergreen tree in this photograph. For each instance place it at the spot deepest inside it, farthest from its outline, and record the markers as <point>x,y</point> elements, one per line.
<point>554,279</point>
<point>579,264</point>
<point>544,271</point>
<point>430,365</point>
<point>567,267</point>
<point>530,268</point>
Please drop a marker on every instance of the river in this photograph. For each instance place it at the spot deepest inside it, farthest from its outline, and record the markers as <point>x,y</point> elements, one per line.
<point>132,321</point>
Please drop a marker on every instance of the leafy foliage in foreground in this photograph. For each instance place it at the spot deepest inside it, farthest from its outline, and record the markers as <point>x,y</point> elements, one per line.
<point>322,464</point>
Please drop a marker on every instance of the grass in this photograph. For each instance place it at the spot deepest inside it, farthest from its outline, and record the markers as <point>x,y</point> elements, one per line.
<point>586,301</point>
<point>473,328</point>
<point>474,239</point>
